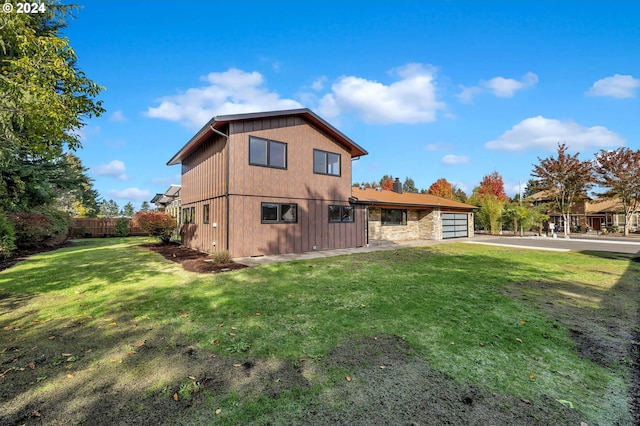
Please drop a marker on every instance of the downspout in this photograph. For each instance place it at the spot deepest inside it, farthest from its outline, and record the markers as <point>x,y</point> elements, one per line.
<point>226,184</point>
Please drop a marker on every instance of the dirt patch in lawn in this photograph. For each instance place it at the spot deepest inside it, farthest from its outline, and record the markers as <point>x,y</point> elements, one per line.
<point>605,325</point>
<point>133,376</point>
<point>192,260</point>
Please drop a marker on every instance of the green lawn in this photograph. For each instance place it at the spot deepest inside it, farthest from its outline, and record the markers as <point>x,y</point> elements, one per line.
<point>501,319</point>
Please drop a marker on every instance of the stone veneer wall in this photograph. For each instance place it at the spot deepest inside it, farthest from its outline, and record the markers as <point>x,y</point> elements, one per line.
<point>421,224</point>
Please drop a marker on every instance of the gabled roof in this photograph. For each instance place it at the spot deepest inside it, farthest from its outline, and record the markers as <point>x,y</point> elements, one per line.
<point>406,199</point>
<point>544,196</point>
<point>173,191</point>
<point>217,124</point>
<point>605,205</point>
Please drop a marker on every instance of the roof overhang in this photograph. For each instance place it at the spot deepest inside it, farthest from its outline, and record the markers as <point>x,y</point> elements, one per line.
<point>218,124</point>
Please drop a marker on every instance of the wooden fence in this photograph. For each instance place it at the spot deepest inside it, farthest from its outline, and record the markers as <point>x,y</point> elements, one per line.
<point>88,227</point>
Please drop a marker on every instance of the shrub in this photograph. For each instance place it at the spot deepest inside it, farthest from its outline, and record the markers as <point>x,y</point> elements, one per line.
<point>35,230</point>
<point>32,229</point>
<point>60,223</point>
<point>156,224</point>
<point>121,228</point>
<point>7,236</point>
<point>220,257</point>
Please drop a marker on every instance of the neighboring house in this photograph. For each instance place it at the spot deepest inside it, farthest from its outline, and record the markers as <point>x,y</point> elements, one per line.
<point>169,201</point>
<point>394,215</point>
<point>587,213</point>
<point>267,183</point>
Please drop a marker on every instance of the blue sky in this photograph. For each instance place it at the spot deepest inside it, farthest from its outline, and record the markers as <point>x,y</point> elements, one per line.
<point>453,89</point>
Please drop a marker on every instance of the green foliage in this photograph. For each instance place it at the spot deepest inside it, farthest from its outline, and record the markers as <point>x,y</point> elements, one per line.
<point>156,224</point>
<point>409,185</point>
<point>108,208</point>
<point>144,206</point>
<point>128,210</point>
<point>44,96</point>
<point>7,236</point>
<point>121,228</point>
<point>49,227</point>
<point>220,257</point>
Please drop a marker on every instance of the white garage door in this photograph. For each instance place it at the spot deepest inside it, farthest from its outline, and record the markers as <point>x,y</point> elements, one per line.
<point>454,225</point>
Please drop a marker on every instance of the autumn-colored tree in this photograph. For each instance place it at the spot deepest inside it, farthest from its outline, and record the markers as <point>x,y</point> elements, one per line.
<point>441,188</point>
<point>619,172</point>
<point>492,184</point>
<point>565,178</point>
<point>387,184</point>
<point>156,224</point>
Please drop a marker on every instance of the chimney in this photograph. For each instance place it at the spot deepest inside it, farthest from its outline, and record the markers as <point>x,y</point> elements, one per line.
<point>397,186</point>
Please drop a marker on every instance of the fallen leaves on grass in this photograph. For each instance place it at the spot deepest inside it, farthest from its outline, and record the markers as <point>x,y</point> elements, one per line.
<point>519,339</point>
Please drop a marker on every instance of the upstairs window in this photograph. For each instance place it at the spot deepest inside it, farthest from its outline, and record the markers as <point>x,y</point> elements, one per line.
<point>279,213</point>
<point>326,163</point>
<point>340,214</point>
<point>267,153</point>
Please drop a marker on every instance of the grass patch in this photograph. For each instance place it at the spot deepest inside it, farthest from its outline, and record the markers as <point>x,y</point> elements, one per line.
<point>501,319</point>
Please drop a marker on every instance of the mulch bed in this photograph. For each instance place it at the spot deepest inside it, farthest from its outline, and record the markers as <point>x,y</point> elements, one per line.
<point>191,260</point>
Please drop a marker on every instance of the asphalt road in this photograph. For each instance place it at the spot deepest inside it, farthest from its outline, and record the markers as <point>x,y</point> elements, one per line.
<point>617,245</point>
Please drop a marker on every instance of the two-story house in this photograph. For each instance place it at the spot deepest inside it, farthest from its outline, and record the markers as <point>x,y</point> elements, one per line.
<point>267,183</point>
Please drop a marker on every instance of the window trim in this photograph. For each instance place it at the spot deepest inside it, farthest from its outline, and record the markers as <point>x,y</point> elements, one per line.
<point>326,163</point>
<point>269,142</point>
<point>352,218</point>
<point>278,213</point>
<point>205,213</point>
<point>403,221</point>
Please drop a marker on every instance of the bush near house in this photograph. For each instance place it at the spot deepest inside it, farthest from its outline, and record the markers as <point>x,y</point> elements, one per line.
<point>7,236</point>
<point>156,224</point>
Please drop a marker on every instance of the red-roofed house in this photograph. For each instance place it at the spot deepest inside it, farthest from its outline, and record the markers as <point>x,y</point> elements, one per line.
<point>394,215</point>
<point>280,182</point>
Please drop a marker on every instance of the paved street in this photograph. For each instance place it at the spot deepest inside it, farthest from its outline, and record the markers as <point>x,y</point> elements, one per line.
<point>580,243</point>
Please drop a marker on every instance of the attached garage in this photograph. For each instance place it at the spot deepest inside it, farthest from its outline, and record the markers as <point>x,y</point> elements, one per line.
<point>397,216</point>
<point>455,225</point>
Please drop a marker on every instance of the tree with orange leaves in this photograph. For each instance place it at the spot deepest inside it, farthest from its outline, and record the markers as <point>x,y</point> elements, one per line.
<point>442,188</point>
<point>492,184</point>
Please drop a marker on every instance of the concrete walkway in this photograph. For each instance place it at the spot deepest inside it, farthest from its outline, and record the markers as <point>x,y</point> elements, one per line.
<point>377,246</point>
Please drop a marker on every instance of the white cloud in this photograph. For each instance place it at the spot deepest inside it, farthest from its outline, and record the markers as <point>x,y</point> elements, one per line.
<point>438,146</point>
<point>616,86</point>
<point>175,179</point>
<point>454,160</point>
<point>118,116</point>
<point>318,84</point>
<point>498,86</point>
<point>115,169</point>
<point>230,92</point>
<point>543,134</point>
<point>131,194</point>
<point>411,99</point>
<point>84,132</point>
<point>467,94</point>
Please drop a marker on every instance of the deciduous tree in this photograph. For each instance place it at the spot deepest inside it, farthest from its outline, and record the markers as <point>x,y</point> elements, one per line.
<point>565,178</point>
<point>441,188</point>
<point>619,172</point>
<point>409,185</point>
<point>156,224</point>
<point>492,184</point>
<point>44,96</point>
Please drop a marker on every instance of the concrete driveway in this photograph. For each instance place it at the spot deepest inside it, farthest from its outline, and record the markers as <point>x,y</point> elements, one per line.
<point>629,245</point>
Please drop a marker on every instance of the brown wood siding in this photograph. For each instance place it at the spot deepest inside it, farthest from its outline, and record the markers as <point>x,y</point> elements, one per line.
<point>298,180</point>
<point>200,235</point>
<point>249,237</point>
<point>204,171</point>
<point>204,181</point>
